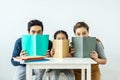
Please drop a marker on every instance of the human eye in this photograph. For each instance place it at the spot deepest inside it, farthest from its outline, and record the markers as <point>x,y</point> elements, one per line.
<point>78,34</point>
<point>84,33</point>
<point>33,32</point>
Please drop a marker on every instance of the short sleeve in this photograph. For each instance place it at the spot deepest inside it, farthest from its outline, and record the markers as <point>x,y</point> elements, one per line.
<point>100,49</point>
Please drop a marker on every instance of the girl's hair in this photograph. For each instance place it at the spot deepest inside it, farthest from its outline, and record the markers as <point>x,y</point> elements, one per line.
<point>60,31</point>
<point>79,25</point>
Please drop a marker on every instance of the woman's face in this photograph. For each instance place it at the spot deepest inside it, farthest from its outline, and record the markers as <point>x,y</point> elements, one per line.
<point>81,32</point>
<point>61,36</point>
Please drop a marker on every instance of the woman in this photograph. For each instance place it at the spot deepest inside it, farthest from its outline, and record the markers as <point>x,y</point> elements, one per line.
<point>81,29</point>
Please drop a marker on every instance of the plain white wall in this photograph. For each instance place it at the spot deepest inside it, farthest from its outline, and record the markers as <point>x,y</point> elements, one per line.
<point>102,16</point>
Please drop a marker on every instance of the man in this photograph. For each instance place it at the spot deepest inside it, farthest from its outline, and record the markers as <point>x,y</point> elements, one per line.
<point>34,27</point>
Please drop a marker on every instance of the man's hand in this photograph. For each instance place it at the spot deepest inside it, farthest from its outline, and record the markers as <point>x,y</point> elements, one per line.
<point>48,53</point>
<point>23,53</point>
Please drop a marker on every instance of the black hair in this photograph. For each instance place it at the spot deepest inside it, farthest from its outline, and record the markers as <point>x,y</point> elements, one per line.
<point>33,23</point>
<point>60,31</point>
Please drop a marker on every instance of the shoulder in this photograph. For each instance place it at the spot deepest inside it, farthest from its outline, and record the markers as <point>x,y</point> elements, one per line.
<point>18,41</point>
<point>98,41</point>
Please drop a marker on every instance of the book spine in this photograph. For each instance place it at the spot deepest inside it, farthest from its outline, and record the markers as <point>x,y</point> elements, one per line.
<point>34,44</point>
<point>82,42</point>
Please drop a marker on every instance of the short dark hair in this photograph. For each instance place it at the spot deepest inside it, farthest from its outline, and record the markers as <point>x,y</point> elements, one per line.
<point>60,31</point>
<point>79,25</point>
<point>33,23</point>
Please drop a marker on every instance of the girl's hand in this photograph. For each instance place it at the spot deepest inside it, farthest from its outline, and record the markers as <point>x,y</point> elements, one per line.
<point>52,52</point>
<point>94,55</point>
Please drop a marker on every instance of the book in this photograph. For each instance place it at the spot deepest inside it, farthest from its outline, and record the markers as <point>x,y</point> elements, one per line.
<point>29,59</point>
<point>24,61</point>
<point>61,48</point>
<point>83,46</point>
<point>35,45</point>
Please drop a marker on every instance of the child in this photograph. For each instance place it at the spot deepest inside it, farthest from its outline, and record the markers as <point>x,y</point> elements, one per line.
<point>61,35</point>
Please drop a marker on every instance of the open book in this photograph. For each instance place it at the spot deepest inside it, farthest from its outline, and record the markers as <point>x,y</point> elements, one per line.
<point>83,46</point>
<point>35,45</point>
<point>61,48</point>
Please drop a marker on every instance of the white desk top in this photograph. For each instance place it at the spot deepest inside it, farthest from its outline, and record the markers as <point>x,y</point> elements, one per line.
<point>65,61</point>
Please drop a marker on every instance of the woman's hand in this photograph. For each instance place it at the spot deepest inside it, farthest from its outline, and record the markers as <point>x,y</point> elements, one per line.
<point>71,51</point>
<point>94,55</point>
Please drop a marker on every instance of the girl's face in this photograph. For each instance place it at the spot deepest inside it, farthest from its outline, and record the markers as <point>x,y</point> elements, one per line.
<point>61,36</point>
<point>81,32</point>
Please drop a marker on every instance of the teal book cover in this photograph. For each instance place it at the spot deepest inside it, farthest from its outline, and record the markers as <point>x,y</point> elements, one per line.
<point>35,45</point>
<point>83,46</point>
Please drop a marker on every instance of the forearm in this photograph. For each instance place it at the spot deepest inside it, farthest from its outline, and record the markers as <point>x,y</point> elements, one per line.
<point>100,61</point>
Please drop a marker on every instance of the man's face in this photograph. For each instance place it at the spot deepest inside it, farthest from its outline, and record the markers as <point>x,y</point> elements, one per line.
<point>36,30</point>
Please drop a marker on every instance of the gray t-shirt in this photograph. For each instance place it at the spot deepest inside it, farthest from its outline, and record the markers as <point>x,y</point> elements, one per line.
<point>100,50</point>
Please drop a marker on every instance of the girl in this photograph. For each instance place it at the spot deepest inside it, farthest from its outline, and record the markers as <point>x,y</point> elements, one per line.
<point>61,35</point>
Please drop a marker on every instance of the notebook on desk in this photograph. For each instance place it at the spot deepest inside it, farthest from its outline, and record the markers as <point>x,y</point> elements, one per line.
<point>30,59</point>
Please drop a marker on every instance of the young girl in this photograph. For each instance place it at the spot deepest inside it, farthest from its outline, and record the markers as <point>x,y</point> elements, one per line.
<point>61,35</point>
<point>81,29</point>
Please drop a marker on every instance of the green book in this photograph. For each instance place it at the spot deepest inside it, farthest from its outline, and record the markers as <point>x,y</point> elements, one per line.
<point>35,45</point>
<point>83,46</point>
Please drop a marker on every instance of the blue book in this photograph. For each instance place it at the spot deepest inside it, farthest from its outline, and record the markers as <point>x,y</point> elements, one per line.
<point>35,45</point>
<point>83,46</point>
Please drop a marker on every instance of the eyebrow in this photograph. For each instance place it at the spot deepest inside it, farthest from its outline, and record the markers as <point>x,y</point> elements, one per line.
<point>36,31</point>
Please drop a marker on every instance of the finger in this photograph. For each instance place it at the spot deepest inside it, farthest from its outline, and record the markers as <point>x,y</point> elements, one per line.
<point>23,53</point>
<point>52,52</point>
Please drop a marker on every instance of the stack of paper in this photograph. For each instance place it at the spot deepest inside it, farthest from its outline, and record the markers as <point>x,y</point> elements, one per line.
<point>30,59</point>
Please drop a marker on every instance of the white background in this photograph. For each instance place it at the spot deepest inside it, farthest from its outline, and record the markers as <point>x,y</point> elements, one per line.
<point>102,16</point>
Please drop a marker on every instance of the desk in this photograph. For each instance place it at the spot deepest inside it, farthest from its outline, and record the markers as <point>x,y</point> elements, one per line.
<point>65,63</point>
